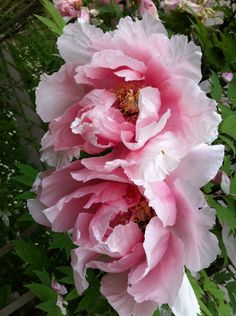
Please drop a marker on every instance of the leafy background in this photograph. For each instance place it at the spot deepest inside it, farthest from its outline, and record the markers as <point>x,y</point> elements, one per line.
<point>31,256</point>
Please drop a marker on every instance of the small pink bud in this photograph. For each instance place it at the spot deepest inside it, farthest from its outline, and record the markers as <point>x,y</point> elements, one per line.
<point>147,6</point>
<point>84,14</point>
<point>60,289</point>
<point>223,180</point>
<point>227,76</point>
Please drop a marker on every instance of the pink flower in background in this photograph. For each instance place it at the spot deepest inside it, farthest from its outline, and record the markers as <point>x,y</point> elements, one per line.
<point>133,90</point>
<point>203,9</point>
<point>68,8</point>
<point>59,288</point>
<point>227,76</point>
<point>166,226</point>
<point>147,6</point>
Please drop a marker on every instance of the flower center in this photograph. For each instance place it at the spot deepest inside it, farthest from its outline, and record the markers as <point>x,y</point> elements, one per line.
<point>127,97</point>
<point>143,213</point>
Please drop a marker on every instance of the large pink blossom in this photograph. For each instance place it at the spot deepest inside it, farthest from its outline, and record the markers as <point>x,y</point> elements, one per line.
<point>133,90</point>
<point>141,236</point>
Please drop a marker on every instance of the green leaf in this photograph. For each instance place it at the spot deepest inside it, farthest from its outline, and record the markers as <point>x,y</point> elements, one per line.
<point>24,180</point>
<point>228,126</point>
<point>30,254</point>
<point>233,184</point>
<point>72,295</point>
<point>66,270</point>
<point>229,143</point>
<point>25,196</point>
<point>28,175</point>
<point>232,91</point>
<point>227,216</point>
<point>28,170</point>
<point>50,307</point>
<point>43,292</point>
<point>62,241</point>
<point>224,110</point>
<point>216,89</point>
<point>44,277</point>
<point>50,24</point>
<point>88,300</point>
<point>55,15</point>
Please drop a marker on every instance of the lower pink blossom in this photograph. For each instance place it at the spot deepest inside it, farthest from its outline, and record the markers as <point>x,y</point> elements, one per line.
<point>142,235</point>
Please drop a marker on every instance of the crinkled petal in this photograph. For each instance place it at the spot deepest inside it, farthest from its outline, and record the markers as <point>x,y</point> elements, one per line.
<point>80,40</point>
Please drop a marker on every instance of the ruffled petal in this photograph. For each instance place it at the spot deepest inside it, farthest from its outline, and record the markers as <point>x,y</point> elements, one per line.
<point>56,92</point>
<point>80,40</point>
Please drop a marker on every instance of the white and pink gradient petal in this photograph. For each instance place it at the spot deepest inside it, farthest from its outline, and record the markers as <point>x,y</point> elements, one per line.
<point>56,92</point>
<point>206,161</point>
<point>163,281</point>
<point>114,288</point>
<point>193,222</point>
<point>80,40</point>
<point>186,302</point>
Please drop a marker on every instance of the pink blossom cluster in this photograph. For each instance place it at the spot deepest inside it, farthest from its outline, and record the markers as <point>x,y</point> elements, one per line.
<point>204,9</point>
<point>131,100</point>
<point>68,8</point>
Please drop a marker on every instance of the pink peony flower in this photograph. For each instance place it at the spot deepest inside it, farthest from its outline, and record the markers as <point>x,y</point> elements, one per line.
<point>68,8</point>
<point>141,236</point>
<point>133,90</point>
<point>147,6</point>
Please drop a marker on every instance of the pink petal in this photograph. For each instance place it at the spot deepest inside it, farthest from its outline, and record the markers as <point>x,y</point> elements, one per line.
<point>119,265</point>
<point>193,222</point>
<point>79,259</point>
<point>206,161</point>
<point>80,40</point>
<point>56,92</point>
<point>114,288</point>
<point>162,283</point>
<point>162,200</point>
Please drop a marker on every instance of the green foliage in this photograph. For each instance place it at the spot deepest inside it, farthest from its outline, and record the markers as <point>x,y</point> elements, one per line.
<point>55,23</point>
<point>31,254</point>
<point>228,126</point>
<point>216,89</point>
<point>28,175</point>
<point>232,91</point>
